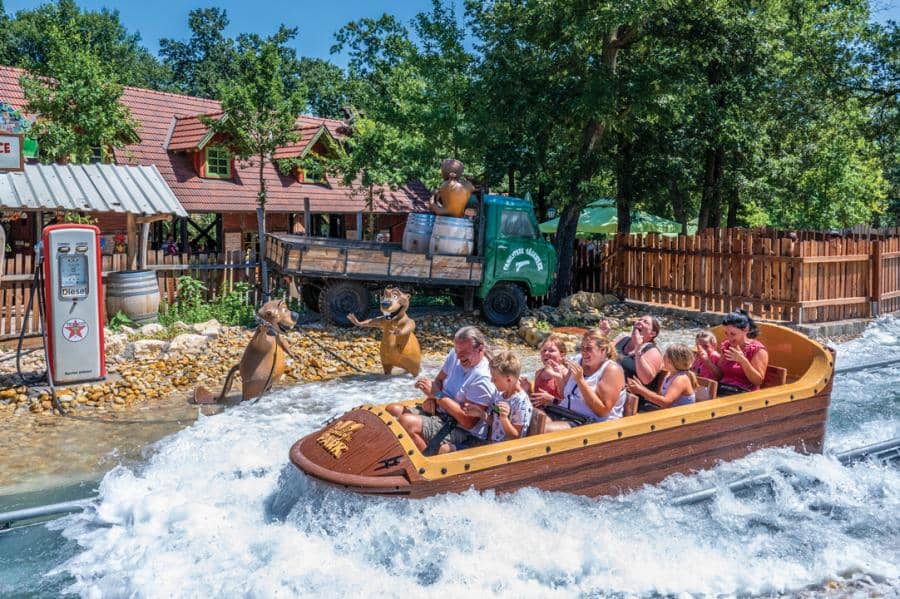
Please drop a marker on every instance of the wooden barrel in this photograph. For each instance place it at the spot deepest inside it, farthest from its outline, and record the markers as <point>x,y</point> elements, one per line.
<point>452,236</point>
<point>134,292</point>
<point>418,232</point>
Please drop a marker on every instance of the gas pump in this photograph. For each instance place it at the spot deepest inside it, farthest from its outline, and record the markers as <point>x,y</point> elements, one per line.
<point>73,319</point>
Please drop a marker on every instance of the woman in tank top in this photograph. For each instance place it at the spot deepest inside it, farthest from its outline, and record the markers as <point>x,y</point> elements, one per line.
<point>679,387</point>
<point>744,360</point>
<point>638,354</point>
<point>595,387</point>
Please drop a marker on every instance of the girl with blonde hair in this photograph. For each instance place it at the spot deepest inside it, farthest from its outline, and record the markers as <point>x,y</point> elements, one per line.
<point>680,385</point>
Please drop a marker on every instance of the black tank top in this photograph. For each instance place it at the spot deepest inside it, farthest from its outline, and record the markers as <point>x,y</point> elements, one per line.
<point>630,368</point>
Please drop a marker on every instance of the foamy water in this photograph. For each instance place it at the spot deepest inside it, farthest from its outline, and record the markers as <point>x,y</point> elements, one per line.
<point>219,511</point>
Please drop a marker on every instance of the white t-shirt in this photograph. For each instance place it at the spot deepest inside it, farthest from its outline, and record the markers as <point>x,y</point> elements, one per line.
<point>519,414</point>
<point>472,384</point>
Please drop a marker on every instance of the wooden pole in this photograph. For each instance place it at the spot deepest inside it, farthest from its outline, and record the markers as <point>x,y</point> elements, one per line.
<point>131,240</point>
<point>145,235</point>
<point>307,217</point>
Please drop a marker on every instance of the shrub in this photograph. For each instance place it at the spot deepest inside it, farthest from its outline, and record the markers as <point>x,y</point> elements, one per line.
<point>233,308</point>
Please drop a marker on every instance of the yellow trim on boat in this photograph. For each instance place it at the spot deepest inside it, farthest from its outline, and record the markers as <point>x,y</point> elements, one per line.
<point>809,361</point>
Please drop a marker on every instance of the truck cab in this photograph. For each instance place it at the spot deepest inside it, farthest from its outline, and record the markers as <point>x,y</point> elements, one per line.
<point>518,261</point>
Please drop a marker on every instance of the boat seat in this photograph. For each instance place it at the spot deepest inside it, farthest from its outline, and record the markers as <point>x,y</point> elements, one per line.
<point>538,424</point>
<point>707,389</point>
<point>775,375</point>
<point>631,405</point>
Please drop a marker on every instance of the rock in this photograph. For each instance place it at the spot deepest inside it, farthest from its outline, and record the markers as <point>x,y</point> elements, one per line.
<point>115,343</point>
<point>210,328</point>
<point>584,301</point>
<point>126,330</point>
<point>179,325</point>
<point>153,328</point>
<point>188,343</point>
<point>145,348</point>
<point>65,398</point>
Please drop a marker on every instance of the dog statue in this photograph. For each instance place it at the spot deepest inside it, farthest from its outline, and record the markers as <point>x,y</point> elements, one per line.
<point>399,346</point>
<point>262,364</point>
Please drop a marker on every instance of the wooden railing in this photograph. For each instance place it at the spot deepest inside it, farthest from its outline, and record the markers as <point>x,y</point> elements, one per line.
<point>811,278</point>
<point>217,271</point>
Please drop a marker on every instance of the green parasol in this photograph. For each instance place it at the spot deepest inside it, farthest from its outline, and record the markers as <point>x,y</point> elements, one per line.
<point>600,218</point>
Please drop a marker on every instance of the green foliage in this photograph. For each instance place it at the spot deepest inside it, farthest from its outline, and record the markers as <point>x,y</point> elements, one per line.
<point>78,218</point>
<point>208,58</point>
<point>121,320</point>
<point>24,42</point>
<point>190,307</point>
<point>79,106</point>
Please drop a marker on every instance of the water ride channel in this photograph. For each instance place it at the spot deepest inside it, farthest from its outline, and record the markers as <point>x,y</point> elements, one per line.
<point>220,509</point>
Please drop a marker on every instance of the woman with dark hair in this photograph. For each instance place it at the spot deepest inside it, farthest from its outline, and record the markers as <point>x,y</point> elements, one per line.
<point>639,356</point>
<point>744,360</point>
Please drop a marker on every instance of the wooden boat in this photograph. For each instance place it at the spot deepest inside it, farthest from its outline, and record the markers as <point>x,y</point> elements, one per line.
<point>366,451</point>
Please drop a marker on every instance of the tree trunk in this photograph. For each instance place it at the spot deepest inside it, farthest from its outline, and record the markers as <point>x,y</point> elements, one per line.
<point>711,195</point>
<point>565,249</point>
<point>261,230</point>
<point>733,202</point>
<point>679,204</point>
<point>624,186</point>
<point>511,173</point>
<point>540,202</point>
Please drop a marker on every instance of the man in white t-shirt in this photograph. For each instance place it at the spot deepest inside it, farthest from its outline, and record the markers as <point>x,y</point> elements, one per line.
<point>460,393</point>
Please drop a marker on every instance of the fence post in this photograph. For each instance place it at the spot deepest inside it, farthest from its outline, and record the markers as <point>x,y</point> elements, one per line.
<point>875,278</point>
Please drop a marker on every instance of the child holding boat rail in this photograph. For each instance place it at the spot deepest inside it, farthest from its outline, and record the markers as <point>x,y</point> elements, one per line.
<point>510,411</point>
<point>680,385</point>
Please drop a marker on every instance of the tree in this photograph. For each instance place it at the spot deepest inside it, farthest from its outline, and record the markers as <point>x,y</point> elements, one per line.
<point>260,114</point>
<point>99,33</point>
<point>78,109</point>
<point>208,58</point>
<point>328,89</point>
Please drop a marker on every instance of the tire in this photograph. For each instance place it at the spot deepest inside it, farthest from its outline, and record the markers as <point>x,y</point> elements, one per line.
<point>340,297</point>
<point>309,295</point>
<point>504,305</point>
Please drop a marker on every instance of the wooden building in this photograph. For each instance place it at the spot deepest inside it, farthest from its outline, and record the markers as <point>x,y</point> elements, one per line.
<point>219,192</point>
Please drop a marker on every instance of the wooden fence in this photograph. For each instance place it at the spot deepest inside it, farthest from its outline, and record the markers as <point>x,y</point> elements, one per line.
<point>813,278</point>
<point>217,271</point>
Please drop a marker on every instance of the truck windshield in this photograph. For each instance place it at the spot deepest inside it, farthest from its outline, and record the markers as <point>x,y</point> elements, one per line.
<point>516,223</point>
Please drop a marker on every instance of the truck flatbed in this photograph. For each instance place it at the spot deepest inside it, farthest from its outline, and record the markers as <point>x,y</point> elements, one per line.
<point>324,257</point>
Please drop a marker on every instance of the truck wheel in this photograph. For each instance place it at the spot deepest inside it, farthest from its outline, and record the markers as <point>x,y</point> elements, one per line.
<point>504,305</point>
<point>310,295</point>
<point>342,297</point>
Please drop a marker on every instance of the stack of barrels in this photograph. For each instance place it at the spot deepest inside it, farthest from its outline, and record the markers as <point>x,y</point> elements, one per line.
<point>443,235</point>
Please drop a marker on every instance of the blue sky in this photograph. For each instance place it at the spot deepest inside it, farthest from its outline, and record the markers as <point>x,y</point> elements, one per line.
<point>318,21</point>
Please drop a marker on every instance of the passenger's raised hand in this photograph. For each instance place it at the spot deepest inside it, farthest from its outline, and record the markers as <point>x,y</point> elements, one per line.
<point>425,386</point>
<point>503,409</point>
<point>735,355</point>
<point>635,386</point>
<point>555,369</point>
<point>575,370</point>
<point>541,398</point>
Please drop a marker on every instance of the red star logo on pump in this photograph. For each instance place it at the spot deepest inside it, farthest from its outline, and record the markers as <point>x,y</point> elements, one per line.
<point>75,330</point>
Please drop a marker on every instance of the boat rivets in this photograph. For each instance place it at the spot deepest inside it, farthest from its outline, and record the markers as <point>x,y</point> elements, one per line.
<point>467,466</point>
<point>712,414</point>
<point>741,408</point>
<point>400,436</point>
<point>410,452</point>
<point>547,449</point>
<point>767,402</point>
<point>421,471</point>
<point>652,427</point>
<point>683,421</point>
<point>620,434</point>
<point>380,414</point>
<point>389,422</point>
<point>443,471</point>
<point>509,458</point>
<point>584,442</point>
<point>815,390</point>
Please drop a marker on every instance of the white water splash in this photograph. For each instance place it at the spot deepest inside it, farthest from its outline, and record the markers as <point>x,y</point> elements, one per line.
<point>219,511</point>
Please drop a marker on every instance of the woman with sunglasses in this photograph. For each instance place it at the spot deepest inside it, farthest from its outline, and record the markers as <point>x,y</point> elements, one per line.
<point>744,360</point>
<point>594,389</point>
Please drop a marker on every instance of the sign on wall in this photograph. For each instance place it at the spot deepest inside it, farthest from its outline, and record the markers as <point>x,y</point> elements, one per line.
<point>12,157</point>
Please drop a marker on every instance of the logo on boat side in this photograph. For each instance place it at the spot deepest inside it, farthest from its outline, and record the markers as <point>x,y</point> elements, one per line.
<point>336,439</point>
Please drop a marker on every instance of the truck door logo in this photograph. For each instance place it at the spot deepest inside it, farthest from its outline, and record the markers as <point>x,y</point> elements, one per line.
<point>525,257</point>
<point>74,330</point>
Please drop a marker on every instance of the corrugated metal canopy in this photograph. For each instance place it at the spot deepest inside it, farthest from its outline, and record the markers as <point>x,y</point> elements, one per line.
<point>139,190</point>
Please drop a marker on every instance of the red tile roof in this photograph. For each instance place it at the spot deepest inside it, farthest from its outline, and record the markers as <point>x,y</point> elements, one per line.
<point>189,131</point>
<point>159,113</point>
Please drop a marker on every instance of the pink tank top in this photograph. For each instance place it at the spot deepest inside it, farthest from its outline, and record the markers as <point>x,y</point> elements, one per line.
<point>732,372</point>
<point>700,367</point>
<point>548,384</point>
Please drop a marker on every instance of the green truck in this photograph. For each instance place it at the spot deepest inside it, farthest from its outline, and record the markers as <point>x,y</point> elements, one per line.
<point>511,261</point>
